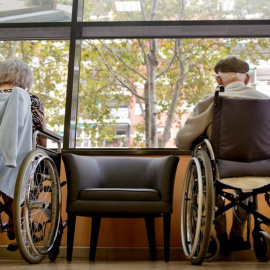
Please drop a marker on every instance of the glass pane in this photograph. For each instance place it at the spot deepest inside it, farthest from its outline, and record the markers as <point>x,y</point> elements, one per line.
<point>16,11</point>
<point>137,93</point>
<point>49,63</point>
<point>162,10</point>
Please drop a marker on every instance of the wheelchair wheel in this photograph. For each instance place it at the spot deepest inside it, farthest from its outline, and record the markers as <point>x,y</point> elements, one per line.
<point>197,208</point>
<point>261,245</point>
<point>37,200</point>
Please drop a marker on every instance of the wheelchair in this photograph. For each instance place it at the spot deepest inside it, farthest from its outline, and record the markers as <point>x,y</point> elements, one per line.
<point>38,225</point>
<point>229,162</point>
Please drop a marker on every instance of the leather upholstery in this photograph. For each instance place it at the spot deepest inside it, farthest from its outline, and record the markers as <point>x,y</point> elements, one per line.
<point>94,183</point>
<point>120,194</point>
<point>241,137</point>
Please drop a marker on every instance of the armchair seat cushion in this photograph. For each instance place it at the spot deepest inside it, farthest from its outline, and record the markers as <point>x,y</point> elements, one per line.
<point>119,194</point>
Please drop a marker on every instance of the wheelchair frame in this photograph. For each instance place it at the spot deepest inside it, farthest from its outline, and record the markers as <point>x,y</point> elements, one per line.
<point>198,208</point>
<point>36,213</point>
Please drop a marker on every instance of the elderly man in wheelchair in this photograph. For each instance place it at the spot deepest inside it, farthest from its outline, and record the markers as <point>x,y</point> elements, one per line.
<point>29,181</point>
<point>229,135</point>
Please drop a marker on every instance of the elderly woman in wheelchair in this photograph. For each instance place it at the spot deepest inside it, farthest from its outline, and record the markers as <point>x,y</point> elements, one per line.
<point>29,181</point>
<point>229,135</point>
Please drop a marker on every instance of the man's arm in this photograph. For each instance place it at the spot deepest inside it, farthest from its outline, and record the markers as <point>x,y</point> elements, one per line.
<point>196,125</point>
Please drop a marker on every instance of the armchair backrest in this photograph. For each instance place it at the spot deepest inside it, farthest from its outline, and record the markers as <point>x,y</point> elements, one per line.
<point>120,172</point>
<point>241,136</point>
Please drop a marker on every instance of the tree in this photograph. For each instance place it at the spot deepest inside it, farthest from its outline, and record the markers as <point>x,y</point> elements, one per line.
<point>49,61</point>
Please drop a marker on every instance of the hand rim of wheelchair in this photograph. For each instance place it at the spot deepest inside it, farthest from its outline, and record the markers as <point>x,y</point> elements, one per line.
<point>190,246</point>
<point>190,253</point>
<point>26,244</point>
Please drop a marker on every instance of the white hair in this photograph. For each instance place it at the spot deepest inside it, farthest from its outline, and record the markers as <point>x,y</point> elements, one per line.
<point>16,72</point>
<point>227,77</point>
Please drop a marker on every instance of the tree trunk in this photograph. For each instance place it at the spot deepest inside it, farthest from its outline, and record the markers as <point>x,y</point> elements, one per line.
<point>167,129</point>
<point>147,121</point>
<point>177,90</point>
<point>152,93</point>
<point>14,49</point>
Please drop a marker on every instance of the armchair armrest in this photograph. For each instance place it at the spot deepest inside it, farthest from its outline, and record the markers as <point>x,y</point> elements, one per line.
<point>161,176</point>
<point>82,172</point>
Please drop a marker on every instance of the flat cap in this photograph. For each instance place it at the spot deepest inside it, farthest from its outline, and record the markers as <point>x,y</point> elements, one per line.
<point>231,64</point>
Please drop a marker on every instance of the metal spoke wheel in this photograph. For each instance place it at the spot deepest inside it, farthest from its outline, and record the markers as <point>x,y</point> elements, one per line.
<point>261,245</point>
<point>197,208</point>
<point>37,200</point>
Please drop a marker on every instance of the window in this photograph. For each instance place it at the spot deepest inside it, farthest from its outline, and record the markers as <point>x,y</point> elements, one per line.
<point>49,62</point>
<point>32,11</point>
<point>162,10</point>
<point>117,82</point>
<point>85,142</point>
<point>93,70</point>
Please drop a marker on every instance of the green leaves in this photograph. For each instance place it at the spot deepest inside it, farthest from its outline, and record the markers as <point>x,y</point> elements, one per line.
<point>49,61</point>
<point>172,75</point>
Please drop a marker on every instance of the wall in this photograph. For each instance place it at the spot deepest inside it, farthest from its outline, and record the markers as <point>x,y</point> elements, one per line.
<point>132,232</point>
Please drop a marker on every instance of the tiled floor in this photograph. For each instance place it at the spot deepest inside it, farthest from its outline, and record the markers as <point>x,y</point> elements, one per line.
<point>78,264</point>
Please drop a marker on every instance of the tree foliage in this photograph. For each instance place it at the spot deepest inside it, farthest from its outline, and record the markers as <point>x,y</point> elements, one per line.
<point>183,73</point>
<point>163,76</point>
<point>48,60</point>
<point>173,72</point>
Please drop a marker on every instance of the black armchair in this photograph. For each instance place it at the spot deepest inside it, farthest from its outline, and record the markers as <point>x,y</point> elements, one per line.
<point>120,187</point>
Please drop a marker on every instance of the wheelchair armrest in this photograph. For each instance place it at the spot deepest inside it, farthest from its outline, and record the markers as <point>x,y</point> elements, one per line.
<point>196,142</point>
<point>203,143</point>
<point>50,134</point>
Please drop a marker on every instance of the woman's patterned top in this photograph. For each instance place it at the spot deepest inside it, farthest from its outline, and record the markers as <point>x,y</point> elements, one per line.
<point>37,109</point>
